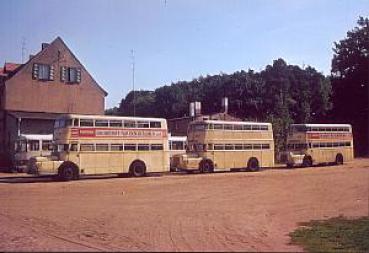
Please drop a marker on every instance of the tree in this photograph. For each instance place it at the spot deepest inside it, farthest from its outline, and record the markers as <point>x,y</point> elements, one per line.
<point>350,82</point>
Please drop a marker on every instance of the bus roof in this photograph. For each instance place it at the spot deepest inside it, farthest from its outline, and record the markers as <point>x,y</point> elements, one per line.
<point>322,125</point>
<point>47,137</point>
<point>232,122</point>
<point>91,116</point>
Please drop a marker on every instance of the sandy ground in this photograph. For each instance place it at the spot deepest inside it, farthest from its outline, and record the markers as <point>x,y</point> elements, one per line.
<point>238,211</point>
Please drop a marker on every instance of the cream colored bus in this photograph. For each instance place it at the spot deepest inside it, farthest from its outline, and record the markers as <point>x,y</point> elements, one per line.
<point>94,144</point>
<point>215,145</point>
<point>309,144</point>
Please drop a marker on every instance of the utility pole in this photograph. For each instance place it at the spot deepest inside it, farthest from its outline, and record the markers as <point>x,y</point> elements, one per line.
<point>23,48</point>
<point>133,81</point>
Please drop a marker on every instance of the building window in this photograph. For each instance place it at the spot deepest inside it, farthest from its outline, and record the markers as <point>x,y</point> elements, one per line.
<point>70,75</point>
<point>43,72</point>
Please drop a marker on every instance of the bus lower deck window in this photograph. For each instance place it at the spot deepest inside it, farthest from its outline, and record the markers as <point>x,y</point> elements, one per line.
<point>156,146</point>
<point>143,147</point>
<point>130,147</point>
<point>116,147</point>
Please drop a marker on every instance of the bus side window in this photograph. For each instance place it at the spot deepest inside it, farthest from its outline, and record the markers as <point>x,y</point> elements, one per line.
<point>74,147</point>
<point>86,122</point>
<point>155,124</point>
<point>46,145</point>
<point>34,145</point>
<point>76,122</point>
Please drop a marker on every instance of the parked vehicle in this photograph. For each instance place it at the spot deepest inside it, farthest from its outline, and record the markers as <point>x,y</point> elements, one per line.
<point>99,144</point>
<point>29,145</point>
<point>215,145</point>
<point>309,144</point>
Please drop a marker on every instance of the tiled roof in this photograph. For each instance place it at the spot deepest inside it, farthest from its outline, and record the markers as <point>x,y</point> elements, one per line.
<point>10,67</point>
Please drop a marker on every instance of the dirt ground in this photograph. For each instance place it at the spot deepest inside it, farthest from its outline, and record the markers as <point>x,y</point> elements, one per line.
<point>239,211</point>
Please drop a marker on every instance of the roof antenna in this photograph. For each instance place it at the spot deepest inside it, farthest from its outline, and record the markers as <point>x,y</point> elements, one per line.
<point>133,81</point>
<point>23,48</point>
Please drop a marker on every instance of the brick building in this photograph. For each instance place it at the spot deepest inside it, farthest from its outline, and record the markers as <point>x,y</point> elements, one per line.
<point>178,126</point>
<point>50,83</point>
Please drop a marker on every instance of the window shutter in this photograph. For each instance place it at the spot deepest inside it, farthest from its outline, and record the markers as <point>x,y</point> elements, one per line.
<point>51,73</point>
<point>35,71</point>
<point>78,75</point>
<point>62,73</point>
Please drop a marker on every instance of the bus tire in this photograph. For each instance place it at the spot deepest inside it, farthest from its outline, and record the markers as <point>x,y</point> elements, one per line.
<point>253,164</point>
<point>68,171</point>
<point>137,169</point>
<point>307,161</point>
<point>289,165</point>
<point>206,166</point>
<point>339,159</point>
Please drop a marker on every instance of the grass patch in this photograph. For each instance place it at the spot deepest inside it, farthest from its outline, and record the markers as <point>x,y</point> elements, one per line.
<point>334,235</point>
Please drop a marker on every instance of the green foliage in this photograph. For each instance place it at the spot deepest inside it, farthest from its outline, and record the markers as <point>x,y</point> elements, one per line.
<point>112,111</point>
<point>334,235</point>
<point>281,94</point>
<point>350,82</point>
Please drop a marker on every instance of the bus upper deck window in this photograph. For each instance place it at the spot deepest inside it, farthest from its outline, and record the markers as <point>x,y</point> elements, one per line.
<point>264,127</point>
<point>115,123</point>
<point>86,122</point>
<point>237,127</point>
<point>155,124</point>
<point>129,124</point>
<point>101,123</point>
<point>143,124</point>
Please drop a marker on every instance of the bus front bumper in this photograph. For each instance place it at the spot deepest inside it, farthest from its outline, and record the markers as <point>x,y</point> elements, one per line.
<point>44,167</point>
<point>185,163</point>
<point>294,159</point>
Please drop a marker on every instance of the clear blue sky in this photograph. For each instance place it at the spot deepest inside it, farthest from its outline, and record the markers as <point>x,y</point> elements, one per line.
<point>178,39</point>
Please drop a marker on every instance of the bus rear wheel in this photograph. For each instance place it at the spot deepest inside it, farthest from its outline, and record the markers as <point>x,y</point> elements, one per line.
<point>253,165</point>
<point>206,166</point>
<point>339,159</point>
<point>138,169</point>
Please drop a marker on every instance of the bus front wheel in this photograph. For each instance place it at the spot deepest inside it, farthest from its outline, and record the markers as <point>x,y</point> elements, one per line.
<point>206,166</point>
<point>307,162</point>
<point>68,173</point>
<point>138,169</point>
<point>339,159</point>
<point>253,164</point>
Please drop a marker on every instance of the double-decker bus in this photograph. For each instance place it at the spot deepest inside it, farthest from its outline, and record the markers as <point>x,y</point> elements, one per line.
<point>96,144</point>
<point>215,145</point>
<point>309,144</point>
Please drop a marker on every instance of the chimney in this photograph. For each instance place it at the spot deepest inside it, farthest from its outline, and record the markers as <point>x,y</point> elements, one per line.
<point>195,109</point>
<point>225,105</point>
<point>31,56</point>
<point>44,45</point>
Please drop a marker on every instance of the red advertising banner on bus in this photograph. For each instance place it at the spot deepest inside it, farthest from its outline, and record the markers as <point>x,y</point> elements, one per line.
<point>116,133</point>
<point>340,136</point>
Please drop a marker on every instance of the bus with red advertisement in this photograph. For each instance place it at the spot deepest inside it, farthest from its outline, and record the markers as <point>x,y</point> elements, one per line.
<point>309,144</point>
<point>99,144</point>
